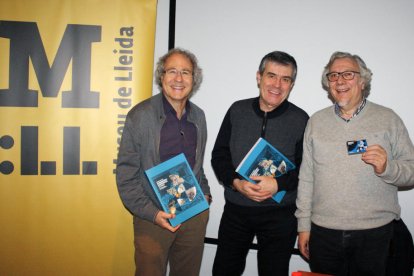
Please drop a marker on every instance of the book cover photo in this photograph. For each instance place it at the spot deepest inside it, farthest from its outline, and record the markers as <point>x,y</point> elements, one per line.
<point>177,189</point>
<point>265,160</point>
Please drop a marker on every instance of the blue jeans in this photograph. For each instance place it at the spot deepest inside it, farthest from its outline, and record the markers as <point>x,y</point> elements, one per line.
<point>275,230</point>
<point>355,252</point>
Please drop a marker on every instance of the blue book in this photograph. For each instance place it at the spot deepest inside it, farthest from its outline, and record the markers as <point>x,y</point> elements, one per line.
<point>177,189</point>
<point>265,160</point>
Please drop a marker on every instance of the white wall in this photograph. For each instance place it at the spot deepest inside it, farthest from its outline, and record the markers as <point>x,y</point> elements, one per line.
<point>230,37</point>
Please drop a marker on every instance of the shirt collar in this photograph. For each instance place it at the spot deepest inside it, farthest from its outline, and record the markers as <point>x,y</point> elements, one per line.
<point>169,109</point>
<point>356,113</point>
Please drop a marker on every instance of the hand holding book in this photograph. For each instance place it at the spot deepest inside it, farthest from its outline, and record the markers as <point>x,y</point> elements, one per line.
<point>266,161</point>
<point>161,219</point>
<point>266,183</point>
<point>251,190</point>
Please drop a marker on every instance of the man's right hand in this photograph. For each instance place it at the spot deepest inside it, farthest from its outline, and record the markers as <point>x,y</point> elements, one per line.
<point>161,219</point>
<point>250,190</point>
<point>303,243</point>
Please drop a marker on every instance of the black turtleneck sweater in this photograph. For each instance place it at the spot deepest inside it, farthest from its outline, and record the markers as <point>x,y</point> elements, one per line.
<point>243,124</point>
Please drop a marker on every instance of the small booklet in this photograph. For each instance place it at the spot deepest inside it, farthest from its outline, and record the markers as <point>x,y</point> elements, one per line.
<point>265,160</point>
<point>177,189</point>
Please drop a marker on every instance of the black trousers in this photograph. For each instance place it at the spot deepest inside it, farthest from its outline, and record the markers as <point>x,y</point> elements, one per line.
<point>275,230</point>
<point>354,253</point>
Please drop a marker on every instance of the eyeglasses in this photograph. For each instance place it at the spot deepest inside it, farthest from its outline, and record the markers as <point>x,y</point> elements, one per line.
<point>347,75</point>
<point>173,73</point>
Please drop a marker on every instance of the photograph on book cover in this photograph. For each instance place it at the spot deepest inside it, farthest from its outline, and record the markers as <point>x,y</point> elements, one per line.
<point>269,163</point>
<point>177,189</point>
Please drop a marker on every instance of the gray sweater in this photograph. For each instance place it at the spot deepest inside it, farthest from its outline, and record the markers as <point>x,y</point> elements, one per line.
<point>340,191</point>
<point>139,151</point>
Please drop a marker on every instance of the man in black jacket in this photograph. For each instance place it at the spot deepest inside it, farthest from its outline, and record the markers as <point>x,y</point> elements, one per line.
<point>249,210</point>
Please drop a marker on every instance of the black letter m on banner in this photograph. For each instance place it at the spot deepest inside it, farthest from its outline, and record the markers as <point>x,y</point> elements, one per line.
<point>25,43</point>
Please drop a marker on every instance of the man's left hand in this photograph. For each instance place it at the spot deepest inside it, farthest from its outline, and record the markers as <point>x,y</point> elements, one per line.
<point>267,183</point>
<point>377,157</point>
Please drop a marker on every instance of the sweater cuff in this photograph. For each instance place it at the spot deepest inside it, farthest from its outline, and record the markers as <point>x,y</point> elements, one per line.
<point>304,225</point>
<point>388,173</point>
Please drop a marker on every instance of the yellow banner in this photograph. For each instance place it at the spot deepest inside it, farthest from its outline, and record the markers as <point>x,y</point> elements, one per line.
<point>70,70</point>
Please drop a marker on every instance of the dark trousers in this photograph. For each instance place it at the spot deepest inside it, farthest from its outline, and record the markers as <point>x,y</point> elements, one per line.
<point>275,230</point>
<point>401,258</point>
<point>355,253</point>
